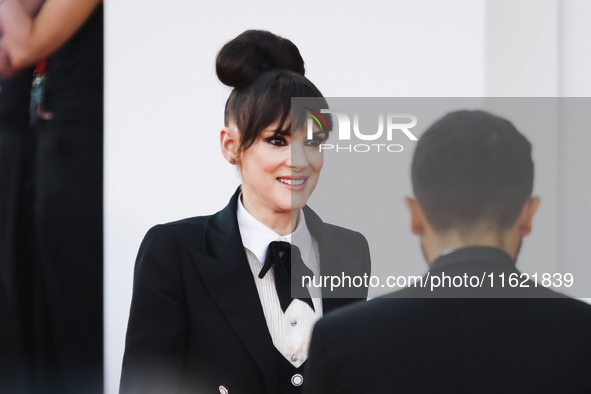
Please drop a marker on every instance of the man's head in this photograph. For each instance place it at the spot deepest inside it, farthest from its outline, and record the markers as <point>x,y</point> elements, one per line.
<point>472,176</point>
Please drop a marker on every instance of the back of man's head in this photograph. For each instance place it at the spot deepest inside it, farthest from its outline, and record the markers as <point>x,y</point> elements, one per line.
<point>472,167</point>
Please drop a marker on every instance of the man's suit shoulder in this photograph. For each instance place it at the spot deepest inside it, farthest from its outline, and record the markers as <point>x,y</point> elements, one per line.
<point>359,315</point>
<point>567,310</point>
<point>399,306</point>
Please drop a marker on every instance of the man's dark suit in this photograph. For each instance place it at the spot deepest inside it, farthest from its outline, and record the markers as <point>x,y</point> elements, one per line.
<point>196,320</point>
<point>455,345</point>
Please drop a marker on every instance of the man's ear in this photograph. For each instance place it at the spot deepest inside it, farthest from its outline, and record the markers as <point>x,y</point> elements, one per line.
<point>417,217</point>
<point>524,220</point>
<point>229,144</point>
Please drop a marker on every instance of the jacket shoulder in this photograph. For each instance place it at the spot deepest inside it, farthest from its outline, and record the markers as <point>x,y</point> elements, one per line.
<point>352,241</point>
<point>185,232</point>
<point>347,239</point>
<point>187,224</point>
<point>344,232</point>
<point>336,232</point>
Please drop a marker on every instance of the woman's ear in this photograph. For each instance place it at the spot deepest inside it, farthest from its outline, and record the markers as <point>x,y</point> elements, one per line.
<point>229,144</point>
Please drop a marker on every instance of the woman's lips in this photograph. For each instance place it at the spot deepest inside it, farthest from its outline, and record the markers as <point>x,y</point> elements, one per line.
<point>295,183</point>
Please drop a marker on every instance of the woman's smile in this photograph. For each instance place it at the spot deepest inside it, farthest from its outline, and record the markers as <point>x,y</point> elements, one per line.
<point>295,183</point>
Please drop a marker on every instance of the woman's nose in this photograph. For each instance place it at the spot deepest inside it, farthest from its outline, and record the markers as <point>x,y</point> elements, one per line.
<point>297,155</point>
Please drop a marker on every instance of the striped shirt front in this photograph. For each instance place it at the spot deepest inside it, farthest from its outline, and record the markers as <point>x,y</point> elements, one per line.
<point>290,331</point>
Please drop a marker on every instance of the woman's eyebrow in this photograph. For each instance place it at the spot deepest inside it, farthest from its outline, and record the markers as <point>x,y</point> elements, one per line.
<point>282,133</point>
<point>321,133</point>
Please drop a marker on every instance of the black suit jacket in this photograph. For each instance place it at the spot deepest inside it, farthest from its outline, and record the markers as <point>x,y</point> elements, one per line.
<point>537,344</point>
<point>196,321</point>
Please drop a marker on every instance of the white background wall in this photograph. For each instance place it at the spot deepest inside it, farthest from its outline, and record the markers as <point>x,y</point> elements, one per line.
<point>164,104</point>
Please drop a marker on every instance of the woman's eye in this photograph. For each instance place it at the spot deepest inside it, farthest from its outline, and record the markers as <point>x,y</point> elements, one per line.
<point>277,141</point>
<point>316,141</point>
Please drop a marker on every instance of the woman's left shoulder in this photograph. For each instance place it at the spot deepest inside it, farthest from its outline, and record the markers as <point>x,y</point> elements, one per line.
<point>345,233</point>
<point>315,223</point>
<point>341,237</point>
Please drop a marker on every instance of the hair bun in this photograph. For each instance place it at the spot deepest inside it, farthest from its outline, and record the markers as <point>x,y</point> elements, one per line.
<point>252,53</point>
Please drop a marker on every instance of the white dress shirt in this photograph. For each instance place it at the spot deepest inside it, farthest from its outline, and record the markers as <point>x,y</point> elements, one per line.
<point>290,331</point>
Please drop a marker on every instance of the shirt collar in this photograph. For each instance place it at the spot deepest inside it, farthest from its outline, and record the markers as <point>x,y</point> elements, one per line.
<point>471,254</point>
<point>256,237</point>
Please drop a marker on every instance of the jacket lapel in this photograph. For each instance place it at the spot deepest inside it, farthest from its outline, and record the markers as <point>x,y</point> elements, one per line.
<point>227,276</point>
<point>333,260</point>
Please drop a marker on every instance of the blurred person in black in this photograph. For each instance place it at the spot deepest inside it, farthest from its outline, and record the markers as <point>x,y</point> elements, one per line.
<point>64,332</point>
<point>472,175</point>
<point>17,284</point>
<point>16,231</point>
<point>16,149</point>
<point>12,363</point>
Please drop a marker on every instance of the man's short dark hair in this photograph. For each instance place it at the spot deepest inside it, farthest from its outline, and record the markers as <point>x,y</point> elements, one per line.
<point>471,166</point>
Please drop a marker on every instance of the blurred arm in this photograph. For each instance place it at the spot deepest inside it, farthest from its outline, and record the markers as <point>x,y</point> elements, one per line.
<point>6,69</point>
<point>32,8</point>
<point>26,40</point>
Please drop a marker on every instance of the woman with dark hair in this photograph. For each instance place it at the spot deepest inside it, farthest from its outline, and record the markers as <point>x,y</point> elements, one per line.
<point>212,309</point>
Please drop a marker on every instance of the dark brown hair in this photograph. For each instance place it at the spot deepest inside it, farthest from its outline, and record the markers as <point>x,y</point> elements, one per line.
<point>471,166</point>
<point>266,71</point>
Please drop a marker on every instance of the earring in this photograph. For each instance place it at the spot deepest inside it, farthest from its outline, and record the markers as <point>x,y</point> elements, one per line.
<point>232,161</point>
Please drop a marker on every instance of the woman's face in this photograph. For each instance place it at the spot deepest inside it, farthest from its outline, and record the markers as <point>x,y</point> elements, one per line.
<point>280,170</point>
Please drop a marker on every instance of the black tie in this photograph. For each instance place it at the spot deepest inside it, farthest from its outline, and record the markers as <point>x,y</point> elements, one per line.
<point>286,258</point>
